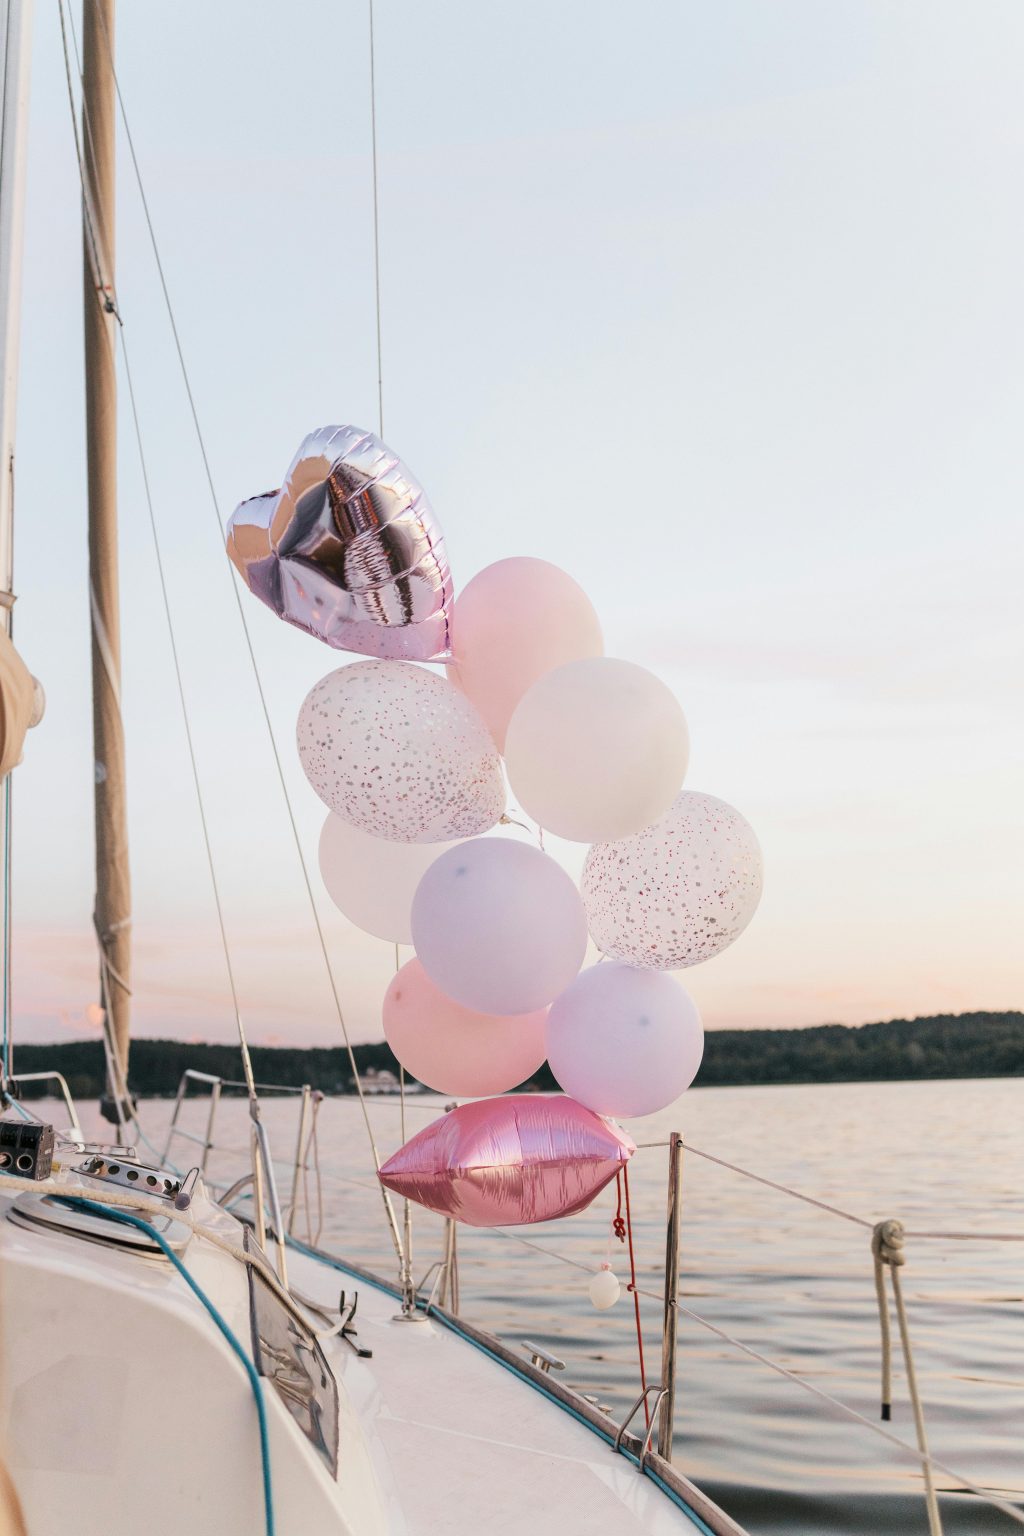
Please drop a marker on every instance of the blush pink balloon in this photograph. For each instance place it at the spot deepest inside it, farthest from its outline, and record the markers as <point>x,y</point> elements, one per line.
<point>512,623</point>
<point>454,1049</point>
<point>499,926</point>
<point>507,1162</point>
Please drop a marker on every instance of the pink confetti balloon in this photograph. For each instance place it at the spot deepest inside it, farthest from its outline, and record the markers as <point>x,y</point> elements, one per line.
<point>678,892</point>
<point>454,1049</point>
<point>516,620</point>
<point>623,1041</point>
<point>596,749</point>
<point>499,926</point>
<point>400,753</point>
<point>372,881</point>
<point>510,1161</point>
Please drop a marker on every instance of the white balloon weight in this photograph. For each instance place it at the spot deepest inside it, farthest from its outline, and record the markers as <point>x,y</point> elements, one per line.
<point>678,892</point>
<point>596,749</point>
<point>400,753</point>
<point>498,926</point>
<point>371,880</point>
<point>605,1289</point>
<point>624,1041</point>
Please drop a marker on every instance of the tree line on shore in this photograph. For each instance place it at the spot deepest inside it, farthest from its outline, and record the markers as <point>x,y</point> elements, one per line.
<point>944,1045</point>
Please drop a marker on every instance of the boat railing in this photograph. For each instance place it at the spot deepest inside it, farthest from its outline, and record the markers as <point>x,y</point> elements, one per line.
<point>11,1094</point>
<point>306,1195</point>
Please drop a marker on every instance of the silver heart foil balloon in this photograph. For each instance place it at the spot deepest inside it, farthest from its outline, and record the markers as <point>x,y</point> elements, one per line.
<point>349,550</point>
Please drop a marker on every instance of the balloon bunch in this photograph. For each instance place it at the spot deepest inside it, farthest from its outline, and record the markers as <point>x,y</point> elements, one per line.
<point>410,765</point>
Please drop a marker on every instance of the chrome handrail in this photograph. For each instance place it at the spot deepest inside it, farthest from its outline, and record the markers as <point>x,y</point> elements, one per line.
<point>44,1077</point>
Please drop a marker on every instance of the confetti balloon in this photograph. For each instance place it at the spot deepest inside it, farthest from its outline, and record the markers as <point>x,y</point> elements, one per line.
<point>623,1041</point>
<point>499,926</point>
<point>371,880</point>
<point>678,892</point>
<point>454,1049</point>
<point>400,753</point>
<point>348,549</point>
<point>597,749</point>
<point>516,620</point>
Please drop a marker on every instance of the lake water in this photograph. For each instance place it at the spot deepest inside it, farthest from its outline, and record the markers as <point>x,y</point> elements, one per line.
<point>785,1278</point>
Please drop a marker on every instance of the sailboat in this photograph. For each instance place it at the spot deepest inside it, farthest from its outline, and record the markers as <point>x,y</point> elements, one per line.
<point>173,1361</point>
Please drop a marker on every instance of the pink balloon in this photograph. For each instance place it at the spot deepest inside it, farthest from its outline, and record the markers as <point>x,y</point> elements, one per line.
<point>507,1162</point>
<point>513,622</point>
<point>499,926</point>
<point>454,1049</point>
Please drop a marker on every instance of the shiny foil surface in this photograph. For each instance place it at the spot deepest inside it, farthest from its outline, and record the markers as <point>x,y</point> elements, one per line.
<point>349,550</point>
<point>509,1161</point>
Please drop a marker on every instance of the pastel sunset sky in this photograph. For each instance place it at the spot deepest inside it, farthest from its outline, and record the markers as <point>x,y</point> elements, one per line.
<point>717,306</point>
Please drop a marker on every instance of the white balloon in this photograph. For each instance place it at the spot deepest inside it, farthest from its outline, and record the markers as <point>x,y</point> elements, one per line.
<point>371,880</point>
<point>400,753</point>
<point>605,1289</point>
<point>498,926</point>
<point>678,892</point>
<point>596,749</point>
<point>623,1041</point>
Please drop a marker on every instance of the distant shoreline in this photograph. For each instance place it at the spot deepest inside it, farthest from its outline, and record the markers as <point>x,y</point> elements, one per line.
<point>949,1046</point>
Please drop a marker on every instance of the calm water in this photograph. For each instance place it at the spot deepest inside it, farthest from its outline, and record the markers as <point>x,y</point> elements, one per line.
<point>787,1279</point>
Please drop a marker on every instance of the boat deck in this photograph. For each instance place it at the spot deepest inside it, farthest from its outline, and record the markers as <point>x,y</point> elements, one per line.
<point>432,1403</point>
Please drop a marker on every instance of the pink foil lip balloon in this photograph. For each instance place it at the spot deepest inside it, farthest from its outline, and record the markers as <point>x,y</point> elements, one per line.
<point>511,1161</point>
<point>349,550</point>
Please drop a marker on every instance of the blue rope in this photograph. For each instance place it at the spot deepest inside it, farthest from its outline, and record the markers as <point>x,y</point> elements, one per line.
<point>453,1327</point>
<point>250,1369</point>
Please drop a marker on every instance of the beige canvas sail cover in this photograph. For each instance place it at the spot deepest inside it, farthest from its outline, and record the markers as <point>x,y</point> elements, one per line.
<point>17,704</point>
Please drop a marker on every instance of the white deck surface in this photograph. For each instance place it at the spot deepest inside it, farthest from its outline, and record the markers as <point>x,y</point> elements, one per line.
<point>122,1409</point>
<point>462,1445</point>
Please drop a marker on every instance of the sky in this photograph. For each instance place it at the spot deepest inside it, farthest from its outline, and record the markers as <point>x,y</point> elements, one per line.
<point>717,307</point>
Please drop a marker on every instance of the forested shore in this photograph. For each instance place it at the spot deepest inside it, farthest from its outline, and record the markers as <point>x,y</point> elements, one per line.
<point>945,1045</point>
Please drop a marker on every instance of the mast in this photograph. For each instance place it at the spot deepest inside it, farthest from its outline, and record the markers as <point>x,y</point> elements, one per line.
<point>15,39</point>
<point>113,892</point>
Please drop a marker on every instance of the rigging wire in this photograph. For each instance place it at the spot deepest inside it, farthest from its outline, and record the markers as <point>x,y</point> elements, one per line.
<point>264,705</point>
<point>376,228</point>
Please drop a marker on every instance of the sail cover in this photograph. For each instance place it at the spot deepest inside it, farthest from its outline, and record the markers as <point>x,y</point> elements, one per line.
<point>18,706</point>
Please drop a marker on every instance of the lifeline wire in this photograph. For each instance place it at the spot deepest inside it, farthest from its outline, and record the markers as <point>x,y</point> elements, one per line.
<point>800,1381</point>
<point>834,1210</point>
<point>208,473</point>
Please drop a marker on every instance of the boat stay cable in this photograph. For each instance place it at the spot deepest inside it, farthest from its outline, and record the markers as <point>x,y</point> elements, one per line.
<point>249,646</point>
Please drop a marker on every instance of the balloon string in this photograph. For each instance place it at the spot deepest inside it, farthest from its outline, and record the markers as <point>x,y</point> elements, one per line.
<point>636,1296</point>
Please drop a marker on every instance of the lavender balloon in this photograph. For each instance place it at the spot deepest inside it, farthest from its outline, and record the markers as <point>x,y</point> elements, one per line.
<point>498,926</point>
<point>623,1041</point>
<point>349,550</point>
<point>678,892</point>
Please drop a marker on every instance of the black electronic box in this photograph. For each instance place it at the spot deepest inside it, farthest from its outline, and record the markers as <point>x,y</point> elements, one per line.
<point>26,1149</point>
